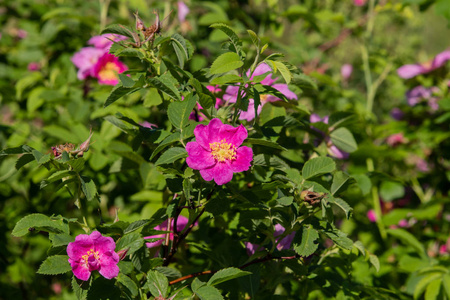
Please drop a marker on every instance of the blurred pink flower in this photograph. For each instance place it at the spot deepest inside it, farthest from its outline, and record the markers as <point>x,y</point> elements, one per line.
<point>423,94</point>
<point>148,125</point>
<point>217,151</point>
<point>359,2</point>
<point>105,41</point>
<point>231,93</point>
<point>21,34</point>
<point>181,224</point>
<point>34,66</point>
<point>283,244</point>
<point>412,70</point>
<point>85,60</point>
<point>183,11</point>
<point>346,71</point>
<point>371,216</point>
<point>396,139</point>
<point>107,68</point>
<point>93,252</point>
<point>397,113</point>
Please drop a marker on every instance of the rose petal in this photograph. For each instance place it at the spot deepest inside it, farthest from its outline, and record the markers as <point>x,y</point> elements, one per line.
<point>284,89</point>
<point>244,155</point>
<point>222,173</point>
<point>233,135</point>
<point>80,270</point>
<point>409,71</point>
<point>198,158</point>
<point>82,244</point>
<point>208,134</point>
<point>108,262</point>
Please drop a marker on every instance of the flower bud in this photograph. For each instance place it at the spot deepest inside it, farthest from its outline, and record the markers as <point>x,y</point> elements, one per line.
<point>139,23</point>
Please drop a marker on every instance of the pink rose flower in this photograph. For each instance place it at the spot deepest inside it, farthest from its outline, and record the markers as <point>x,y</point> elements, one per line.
<point>412,70</point>
<point>93,252</point>
<point>359,2</point>
<point>85,60</point>
<point>181,224</point>
<point>346,71</point>
<point>396,139</point>
<point>216,153</point>
<point>284,244</point>
<point>34,66</point>
<point>107,68</point>
<point>371,216</point>
<point>183,11</point>
<point>231,93</point>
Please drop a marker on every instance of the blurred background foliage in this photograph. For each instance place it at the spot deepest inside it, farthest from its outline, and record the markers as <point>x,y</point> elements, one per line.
<point>50,106</point>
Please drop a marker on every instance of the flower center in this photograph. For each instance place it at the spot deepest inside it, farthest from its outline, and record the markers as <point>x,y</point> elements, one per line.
<point>90,257</point>
<point>223,151</point>
<point>109,71</point>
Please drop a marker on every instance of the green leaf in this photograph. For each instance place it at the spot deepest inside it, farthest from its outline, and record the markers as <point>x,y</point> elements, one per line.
<point>39,222</point>
<point>225,275</point>
<point>166,84</point>
<point>17,150</point>
<point>58,175</point>
<point>179,112</point>
<point>117,93</point>
<point>364,183</point>
<point>304,81</point>
<point>390,190</point>
<point>171,155</point>
<point>409,239</point>
<point>433,290</point>
<point>57,264</point>
<point>179,45</point>
<point>375,262</point>
<point>227,78</point>
<point>77,164</point>
<point>318,166</point>
<point>265,143</point>
<point>118,29</point>
<point>88,187</point>
<point>233,37</point>
<point>174,137</point>
<point>446,284</point>
<point>254,37</point>
<point>136,225</point>
<point>287,76</point>
<point>226,62</point>
<point>60,239</point>
<point>342,205</point>
<point>157,283</point>
<point>131,241</point>
<point>304,241</point>
<point>344,140</point>
<point>127,82</point>
<point>208,292</point>
<point>80,288</point>
<point>23,160</point>
<point>285,201</point>
<point>424,282</point>
<point>169,272</point>
<point>128,283</point>
<point>340,239</point>
<point>340,179</point>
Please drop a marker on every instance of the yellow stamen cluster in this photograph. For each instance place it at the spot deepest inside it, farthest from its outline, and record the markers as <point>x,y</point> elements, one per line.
<point>223,151</point>
<point>109,71</point>
<point>86,256</point>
